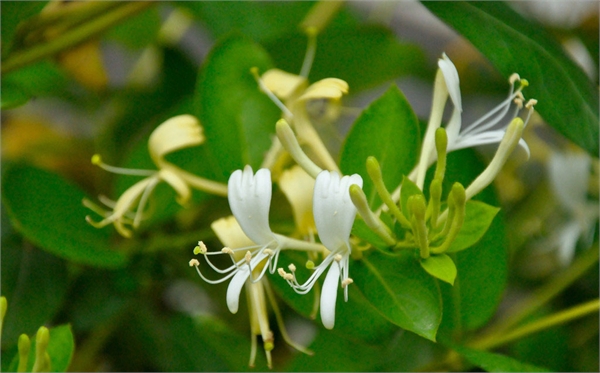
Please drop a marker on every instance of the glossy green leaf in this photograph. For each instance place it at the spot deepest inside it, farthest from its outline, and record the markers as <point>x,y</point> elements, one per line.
<point>478,218</point>
<point>35,285</point>
<point>261,21</point>
<point>401,291</point>
<point>238,118</point>
<point>388,130</point>
<point>60,348</point>
<point>48,211</point>
<point>493,362</point>
<point>565,95</point>
<point>440,266</point>
<point>345,52</point>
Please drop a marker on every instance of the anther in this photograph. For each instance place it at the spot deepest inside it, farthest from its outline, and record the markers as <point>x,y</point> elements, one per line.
<point>194,263</point>
<point>281,272</point>
<point>268,252</point>
<point>96,159</point>
<point>531,103</point>
<point>288,276</point>
<point>200,249</point>
<point>337,257</point>
<point>518,102</point>
<point>514,78</point>
<point>347,282</point>
<point>227,250</point>
<point>248,256</point>
<point>292,268</point>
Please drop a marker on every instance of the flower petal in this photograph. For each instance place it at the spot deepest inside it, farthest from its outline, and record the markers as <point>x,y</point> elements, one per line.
<point>333,210</point>
<point>298,187</point>
<point>569,175</point>
<point>452,80</point>
<point>326,88</point>
<point>237,282</point>
<point>250,199</point>
<point>176,133</point>
<point>230,233</point>
<point>329,295</point>
<point>283,84</point>
<point>169,174</point>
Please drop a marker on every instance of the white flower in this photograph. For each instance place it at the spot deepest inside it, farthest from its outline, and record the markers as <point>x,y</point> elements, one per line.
<point>176,133</point>
<point>489,129</point>
<point>250,199</point>
<point>569,175</point>
<point>334,215</point>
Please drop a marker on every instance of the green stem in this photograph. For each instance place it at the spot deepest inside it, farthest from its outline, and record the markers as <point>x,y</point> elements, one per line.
<point>548,291</point>
<point>73,37</point>
<point>542,324</point>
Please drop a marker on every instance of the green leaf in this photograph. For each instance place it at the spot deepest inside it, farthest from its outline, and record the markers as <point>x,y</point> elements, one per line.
<point>48,211</point>
<point>138,31</point>
<point>60,348</point>
<point>440,266</point>
<point>513,44</point>
<point>35,285</point>
<point>478,218</point>
<point>40,79</point>
<point>408,189</point>
<point>362,231</point>
<point>260,21</point>
<point>238,118</point>
<point>12,95</point>
<point>344,52</point>
<point>401,291</point>
<point>493,362</point>
<point>388,130</point>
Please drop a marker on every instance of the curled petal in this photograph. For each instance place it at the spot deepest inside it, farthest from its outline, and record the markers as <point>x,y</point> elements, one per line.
<point>169,174</point>
<point>326,88</point>
<point>333,210</point>
<point>176,133</point>
<point>249,199</point>
<point>297,186</point>
<point>451,79</point>
<point>329,296</point>
<point>283,84</point>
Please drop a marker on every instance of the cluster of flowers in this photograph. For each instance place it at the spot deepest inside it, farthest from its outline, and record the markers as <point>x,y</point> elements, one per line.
<point>323,201</point>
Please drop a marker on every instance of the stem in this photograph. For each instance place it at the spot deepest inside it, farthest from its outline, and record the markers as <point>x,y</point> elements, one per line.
<point>548,291</point>
<point>73,37</point>
<point>545,323</point>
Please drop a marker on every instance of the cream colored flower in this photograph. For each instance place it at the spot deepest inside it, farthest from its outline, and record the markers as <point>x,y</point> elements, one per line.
<point>298,187</point>
<point>174,134</point>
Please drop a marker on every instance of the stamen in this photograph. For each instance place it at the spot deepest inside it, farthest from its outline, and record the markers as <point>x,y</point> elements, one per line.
<point>281,272</point>
<point>268,252</point>
<point>194,263</point>
<point>347,282</point>
<point>97,161</point>
<point>270,94</point>
<point>248,257</point>
<point>292,268</point>
<point>531,103</point>
<point>337,257</point>
<point>200,249</point>
<point>227,250</point>
<point>514,78</point>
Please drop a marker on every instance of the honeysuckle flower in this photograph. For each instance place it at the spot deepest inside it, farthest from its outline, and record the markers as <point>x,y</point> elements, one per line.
<point>486,130</point>
<point>249,197</point>
<point>296,93</point>
<point>334,215</point>
<point>174,134</point>
<point>569,175</point>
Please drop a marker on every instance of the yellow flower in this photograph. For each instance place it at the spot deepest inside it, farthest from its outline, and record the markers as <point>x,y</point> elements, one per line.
<point>176,133</point>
